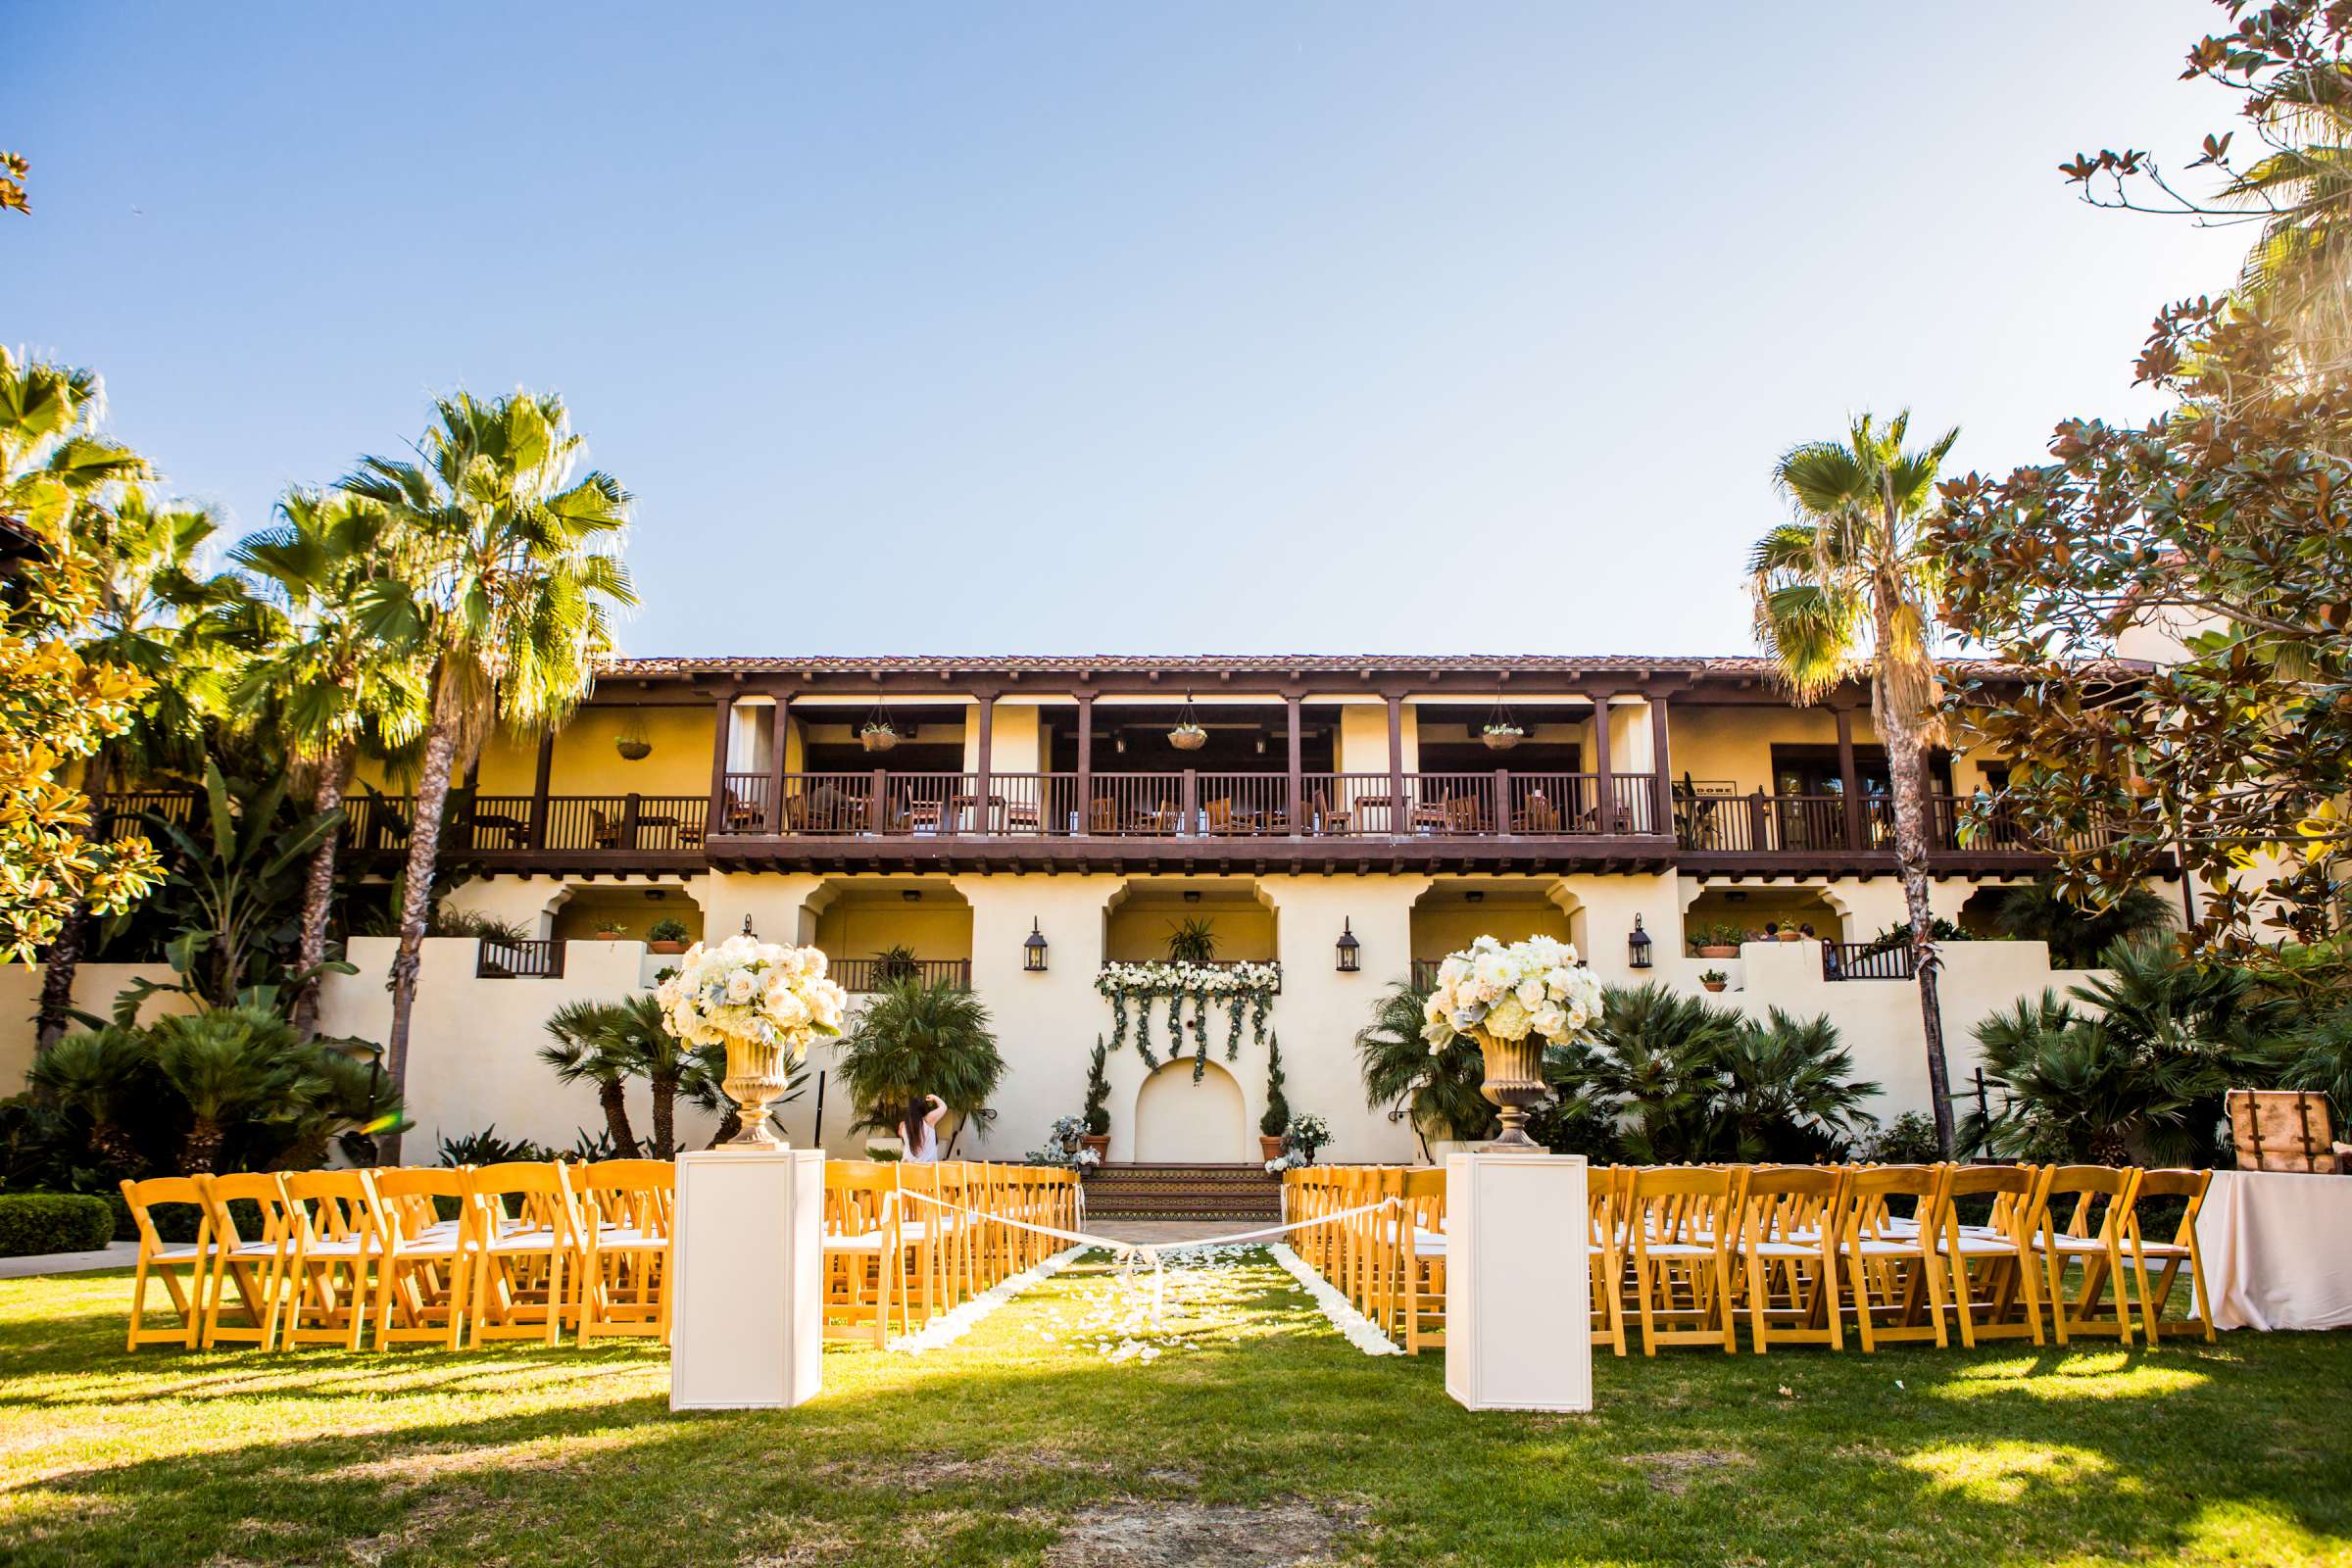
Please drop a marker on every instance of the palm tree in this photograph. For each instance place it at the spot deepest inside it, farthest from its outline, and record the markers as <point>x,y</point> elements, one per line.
<point>1433,1094</point>
<point>1846,586</point>
<point>339,667</point>
<point>159,616</point>
<point>2038,911</point>
<point>226,1063</point>
<point>103,1074</point>
<point>1791,1095</point>
<point>916,1038</point>
<point>509,562</point>
<point>588,1049</point>
<point>53,461</point>
<point>1656,1058</point>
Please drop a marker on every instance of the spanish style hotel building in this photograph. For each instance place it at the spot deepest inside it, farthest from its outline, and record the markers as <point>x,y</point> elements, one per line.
<point>1025,821</point>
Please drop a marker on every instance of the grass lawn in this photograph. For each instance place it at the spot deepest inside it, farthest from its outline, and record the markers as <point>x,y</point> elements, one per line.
<point>1254,1434</point>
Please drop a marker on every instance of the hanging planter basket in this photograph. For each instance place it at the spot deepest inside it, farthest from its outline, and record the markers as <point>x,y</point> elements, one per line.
<point>631,742</point>
<point>1501,732</point>
<point>877,735</point>
<point>1188,735</point>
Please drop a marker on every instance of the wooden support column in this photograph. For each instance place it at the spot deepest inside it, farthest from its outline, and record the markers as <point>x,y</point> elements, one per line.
<point>722,723</point>
<point>1400,818</point>
<point>1604,782</point>
<point>1086,764</point>
<point>547,763</point>
<point>777,734</point>
<point>474,791</point>
<point>988,740</point>
<point>1294,813</point>
<point>1663,763</point>
<point>1850,779</point>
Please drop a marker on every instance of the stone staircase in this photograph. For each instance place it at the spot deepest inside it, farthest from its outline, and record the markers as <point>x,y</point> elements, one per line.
<point>1182,1192</point>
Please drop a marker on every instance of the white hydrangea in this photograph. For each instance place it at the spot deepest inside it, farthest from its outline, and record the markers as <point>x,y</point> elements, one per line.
<point>1533,986</point>
<point>743,989</point>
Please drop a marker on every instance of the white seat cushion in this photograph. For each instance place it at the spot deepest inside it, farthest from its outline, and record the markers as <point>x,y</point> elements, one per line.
<point>2074,1245</point>
<point>1782,1249</point>
<point>523,1242</point>
<point>1677,1250</point>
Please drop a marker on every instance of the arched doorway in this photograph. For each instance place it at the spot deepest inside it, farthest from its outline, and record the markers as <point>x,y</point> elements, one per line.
<point>1178,1121</point>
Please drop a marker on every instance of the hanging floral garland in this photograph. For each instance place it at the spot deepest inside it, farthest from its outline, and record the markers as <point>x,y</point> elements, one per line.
<point>1238,986</point>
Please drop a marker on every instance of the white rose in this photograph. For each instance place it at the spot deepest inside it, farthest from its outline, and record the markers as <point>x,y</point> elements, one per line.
<point>740,989</point>
<point>1507,1020</point>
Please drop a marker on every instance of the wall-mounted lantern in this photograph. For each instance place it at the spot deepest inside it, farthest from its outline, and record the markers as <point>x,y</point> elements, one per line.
<point>1033,951</point>
<point>1636,946</point>
<point>1351,951</point>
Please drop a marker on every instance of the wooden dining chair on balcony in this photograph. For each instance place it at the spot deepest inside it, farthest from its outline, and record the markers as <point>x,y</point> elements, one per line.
<point>920,817</point>
<point>1465,815</point>
<point>1102,815</point>
<point>604,830</point>
<point>1220,817</point>
<point>1538,814</point>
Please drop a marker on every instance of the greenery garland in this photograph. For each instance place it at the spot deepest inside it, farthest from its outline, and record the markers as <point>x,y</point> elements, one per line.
<point>1237,986</point>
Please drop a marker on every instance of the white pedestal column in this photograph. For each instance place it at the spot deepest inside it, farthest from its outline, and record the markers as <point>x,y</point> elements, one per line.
<point>747,1324</point>
<point>1518,1330</point>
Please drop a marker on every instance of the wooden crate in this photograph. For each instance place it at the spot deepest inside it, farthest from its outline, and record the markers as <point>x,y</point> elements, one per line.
<point>2283,1129</point>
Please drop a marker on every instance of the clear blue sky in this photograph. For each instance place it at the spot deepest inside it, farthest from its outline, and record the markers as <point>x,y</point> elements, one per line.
<point>1127,329</point>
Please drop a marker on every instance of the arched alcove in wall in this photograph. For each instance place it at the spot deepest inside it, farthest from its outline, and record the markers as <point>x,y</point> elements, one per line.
<point>1178,1121</point>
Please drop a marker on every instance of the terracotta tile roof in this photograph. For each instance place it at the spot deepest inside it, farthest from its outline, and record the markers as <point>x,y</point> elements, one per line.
<point>1737,665</point>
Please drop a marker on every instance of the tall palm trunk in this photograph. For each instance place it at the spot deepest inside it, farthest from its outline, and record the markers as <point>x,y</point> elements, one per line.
<point>1904,733</point>
<point>200,1151</point>
<point>319,889</point>
<point>665,1087</point>
<point>73,938</point>
<point>612,1096</point>
<point>417,900</point>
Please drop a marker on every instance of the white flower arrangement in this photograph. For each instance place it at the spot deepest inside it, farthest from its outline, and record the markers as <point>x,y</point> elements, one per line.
<point>1210,980</point>
<point>1065,1147</point>
<point>1306,1133</point>
<point>1281,1163</point>
<point>744,989</point>
<point>1532,986</point>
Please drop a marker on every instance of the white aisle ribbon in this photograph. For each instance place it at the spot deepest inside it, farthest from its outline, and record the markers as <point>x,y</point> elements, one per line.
<point>1358,1330</point>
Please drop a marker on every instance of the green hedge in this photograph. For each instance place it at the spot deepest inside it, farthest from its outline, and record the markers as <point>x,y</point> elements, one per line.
<point>35,1223</point>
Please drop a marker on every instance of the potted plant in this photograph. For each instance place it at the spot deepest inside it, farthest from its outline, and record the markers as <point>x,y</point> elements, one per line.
<point>667,935</point>
<point>609,929</point>
<point>1717,941</point>
<point>1274,1127</point>
<point>1193,941</point>
<point>1783,933</point>
<point>1097,1136</point>
<point>1714,979</point>
<point>1308,1133</point>
<point>877,735</point>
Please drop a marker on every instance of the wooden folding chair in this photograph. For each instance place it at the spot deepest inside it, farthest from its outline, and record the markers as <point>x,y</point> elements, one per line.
<point>2180,1250</point>
<point>1604,1252</point>
<point>1788,1256</point>
<point>1992,1262</point>
<point>1676,1224</point>
<point>626,1209</point>
<point>861,1249</point>
<point>256,1265</point>
<point>520,1253</point>
<point>1421,1270</point>
<point>2094,1237</point>
<point>165,1260</point>
<point>1890,1258</point>
<point>425,1270</point>
<point>334,1245</point>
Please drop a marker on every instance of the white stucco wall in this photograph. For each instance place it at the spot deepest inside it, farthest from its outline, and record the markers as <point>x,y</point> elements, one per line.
<point>95,987</point>
<point>474,1045</point>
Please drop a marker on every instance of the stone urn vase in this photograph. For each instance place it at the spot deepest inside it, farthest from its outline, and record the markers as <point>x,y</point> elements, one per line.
<point>1515,1083</point>
<point>757,1075</point>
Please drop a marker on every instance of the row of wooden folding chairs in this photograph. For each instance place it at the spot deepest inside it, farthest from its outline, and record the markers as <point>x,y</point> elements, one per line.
<point>1681,1255</point>
<point>343,1257</point>
<point>905,1242</point>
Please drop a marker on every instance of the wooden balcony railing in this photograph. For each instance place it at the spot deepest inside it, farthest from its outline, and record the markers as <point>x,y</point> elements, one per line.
<point>1192,804</point>
<point>1758,823</point>
<point>497,959</point>
<point>873,974</point>
<point>1865,960</point>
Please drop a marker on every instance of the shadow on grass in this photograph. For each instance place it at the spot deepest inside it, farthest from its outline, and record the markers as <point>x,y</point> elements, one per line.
<point>980,1453</point>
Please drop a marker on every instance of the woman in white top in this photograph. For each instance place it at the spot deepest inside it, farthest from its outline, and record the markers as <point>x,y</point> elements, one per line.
<point>919,1128</point>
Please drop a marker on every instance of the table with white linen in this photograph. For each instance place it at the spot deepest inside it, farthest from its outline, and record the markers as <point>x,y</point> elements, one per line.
<point>2278,1249</point>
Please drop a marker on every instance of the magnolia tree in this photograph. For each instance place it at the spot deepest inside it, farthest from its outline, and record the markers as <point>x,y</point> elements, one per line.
<point>2227,523</point>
